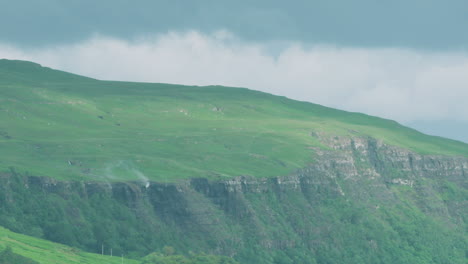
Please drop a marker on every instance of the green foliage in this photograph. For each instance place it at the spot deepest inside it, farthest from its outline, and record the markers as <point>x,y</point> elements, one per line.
<point>158,258</point>
<point>21,249</point>
<point>8,257</point>
<point>278,226</point>
<point>108,139</point>
<point>168,251</point>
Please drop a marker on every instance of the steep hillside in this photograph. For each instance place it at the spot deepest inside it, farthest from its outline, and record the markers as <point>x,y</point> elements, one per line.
<point>261,178</point>
<point>46,252</point>
<point>361,202</point>
<point>65,126</point>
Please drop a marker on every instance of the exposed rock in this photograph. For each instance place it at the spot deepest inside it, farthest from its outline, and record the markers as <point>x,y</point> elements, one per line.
<point>357,172</point>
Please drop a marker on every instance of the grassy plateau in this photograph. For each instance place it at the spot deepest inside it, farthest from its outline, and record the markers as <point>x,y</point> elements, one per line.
<point>70,127</point>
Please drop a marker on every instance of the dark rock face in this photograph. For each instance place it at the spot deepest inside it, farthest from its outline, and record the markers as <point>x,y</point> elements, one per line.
<point>361,190</point>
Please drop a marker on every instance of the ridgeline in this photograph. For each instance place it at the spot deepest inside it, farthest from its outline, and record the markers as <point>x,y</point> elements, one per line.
<point>144,167</point>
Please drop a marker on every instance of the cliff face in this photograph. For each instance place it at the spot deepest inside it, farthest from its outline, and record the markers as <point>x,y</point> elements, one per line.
<point>361,201</point>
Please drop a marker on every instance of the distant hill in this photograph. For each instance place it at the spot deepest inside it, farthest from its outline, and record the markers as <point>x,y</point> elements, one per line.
<point>67,126</point>
<point>215,172</point>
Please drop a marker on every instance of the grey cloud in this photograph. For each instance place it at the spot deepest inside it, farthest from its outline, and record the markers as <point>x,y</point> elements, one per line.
<point>401,84</point>
<point>426,24</point>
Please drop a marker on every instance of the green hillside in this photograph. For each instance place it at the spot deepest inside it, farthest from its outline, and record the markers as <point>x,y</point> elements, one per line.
<point>368,204</point>
<point>18,249</point>
<point>46,252</point>
<point>70,127</point>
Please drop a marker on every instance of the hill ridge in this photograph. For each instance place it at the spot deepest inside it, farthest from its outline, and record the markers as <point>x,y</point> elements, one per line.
<point>21,71</point>
<point>70,127</point>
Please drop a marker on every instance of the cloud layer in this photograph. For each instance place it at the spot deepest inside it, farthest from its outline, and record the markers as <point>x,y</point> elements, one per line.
<point>404,85</point>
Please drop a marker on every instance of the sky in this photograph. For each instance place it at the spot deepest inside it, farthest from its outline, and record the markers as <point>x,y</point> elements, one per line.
<point>402,60</point>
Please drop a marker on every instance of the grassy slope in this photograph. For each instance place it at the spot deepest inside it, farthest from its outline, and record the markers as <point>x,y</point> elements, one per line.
<point>70,127</point>
<point>47,252</point>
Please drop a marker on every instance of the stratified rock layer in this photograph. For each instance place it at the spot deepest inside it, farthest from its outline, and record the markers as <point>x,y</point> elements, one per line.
<point>359,201</point>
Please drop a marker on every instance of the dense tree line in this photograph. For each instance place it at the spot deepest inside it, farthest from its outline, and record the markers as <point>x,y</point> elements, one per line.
<point>331,230</point>
<point>168,257</point>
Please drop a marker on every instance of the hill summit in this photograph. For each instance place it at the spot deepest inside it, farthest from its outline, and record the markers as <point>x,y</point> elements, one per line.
<point>67,126</point>
<point>139,168</point>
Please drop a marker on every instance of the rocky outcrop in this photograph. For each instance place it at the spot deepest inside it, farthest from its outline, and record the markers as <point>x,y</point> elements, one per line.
<point>353,184</point>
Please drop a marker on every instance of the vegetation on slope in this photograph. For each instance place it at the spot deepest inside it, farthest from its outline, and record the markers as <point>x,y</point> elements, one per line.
<point>20,249</point>
<point>312,224</point>
<point>168,257</point>
<point>36,250</point>
<point>70,127</point>
<point>74,128</point>
<point>8,257</point>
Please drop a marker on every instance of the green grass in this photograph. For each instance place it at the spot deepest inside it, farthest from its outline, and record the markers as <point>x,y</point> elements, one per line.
<point>47,252</point>
<point>70,127</point>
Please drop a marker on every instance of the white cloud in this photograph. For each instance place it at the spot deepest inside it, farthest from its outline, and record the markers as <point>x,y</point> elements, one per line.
<point>404,85</point>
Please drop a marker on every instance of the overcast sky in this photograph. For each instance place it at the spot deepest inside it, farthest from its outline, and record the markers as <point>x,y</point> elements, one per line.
<point>403,60</point>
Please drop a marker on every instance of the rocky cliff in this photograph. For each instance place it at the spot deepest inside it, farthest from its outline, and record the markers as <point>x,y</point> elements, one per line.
<point>360,201</point>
